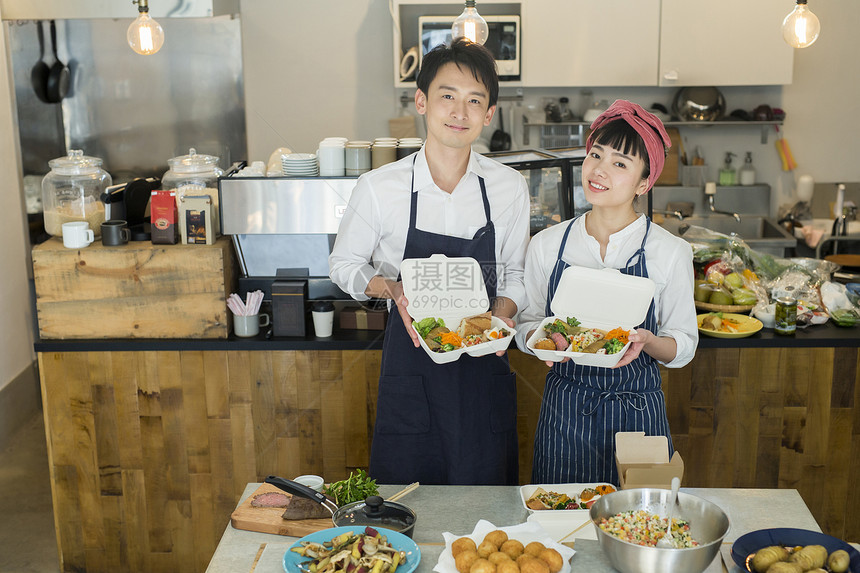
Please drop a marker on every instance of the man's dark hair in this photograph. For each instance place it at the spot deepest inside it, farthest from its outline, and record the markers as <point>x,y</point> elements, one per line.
<point>465,54</point>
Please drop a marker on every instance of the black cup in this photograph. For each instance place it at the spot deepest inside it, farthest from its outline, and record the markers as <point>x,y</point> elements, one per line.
<point>115,232</point>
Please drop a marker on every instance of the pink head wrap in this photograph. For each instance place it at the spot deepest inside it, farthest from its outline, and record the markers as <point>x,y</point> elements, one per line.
<point>647,125</point>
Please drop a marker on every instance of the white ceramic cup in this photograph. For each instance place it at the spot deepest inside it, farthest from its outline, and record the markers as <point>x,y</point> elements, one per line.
<point>357,158</point>
<point>331,158</point>
<point>77,235</point>
<point>312,481</point>
<point>249,325</point>
<point>323,323</point>
<point>382,153</point>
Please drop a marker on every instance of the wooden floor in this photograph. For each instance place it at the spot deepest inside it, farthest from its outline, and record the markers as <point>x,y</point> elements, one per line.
<point>149,451</point>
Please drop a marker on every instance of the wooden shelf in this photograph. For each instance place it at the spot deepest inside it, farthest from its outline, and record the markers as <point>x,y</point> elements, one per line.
<point>764,125</point>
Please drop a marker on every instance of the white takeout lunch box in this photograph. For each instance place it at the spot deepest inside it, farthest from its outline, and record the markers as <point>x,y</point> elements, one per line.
<point>450,288</point>
<point>597,298</point>
<point>570,489</point>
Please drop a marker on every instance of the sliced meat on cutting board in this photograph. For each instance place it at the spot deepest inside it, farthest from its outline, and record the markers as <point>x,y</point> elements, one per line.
<point>271,520</point>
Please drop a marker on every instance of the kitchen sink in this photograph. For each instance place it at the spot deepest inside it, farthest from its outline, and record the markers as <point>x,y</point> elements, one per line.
<point>760,233</point>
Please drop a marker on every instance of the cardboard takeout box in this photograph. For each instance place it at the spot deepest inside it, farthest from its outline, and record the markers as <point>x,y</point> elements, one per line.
<point>643,461</point>
<point>597,298</point>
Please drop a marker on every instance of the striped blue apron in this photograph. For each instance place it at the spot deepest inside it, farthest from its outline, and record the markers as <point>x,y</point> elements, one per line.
<point>584,406</point>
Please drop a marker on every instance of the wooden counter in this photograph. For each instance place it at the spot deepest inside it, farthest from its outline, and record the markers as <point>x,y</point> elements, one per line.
<point>150,450</point>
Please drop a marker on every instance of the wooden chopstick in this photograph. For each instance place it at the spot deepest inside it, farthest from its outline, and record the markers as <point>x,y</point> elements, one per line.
<point>408,489</point>
<point>575,530</point>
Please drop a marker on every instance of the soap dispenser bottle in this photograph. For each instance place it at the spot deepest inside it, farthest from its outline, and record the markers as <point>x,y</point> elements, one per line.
<point>727,173</point>
<point>746,174</point>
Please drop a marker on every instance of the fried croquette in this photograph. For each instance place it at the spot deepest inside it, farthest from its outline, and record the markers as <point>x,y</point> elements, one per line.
<point>531,564</point>
<point>486,548</point>
<point>482,566</point>
<point>512,547</point>
<point>496,537</point>
<point>507,567</point>
<point>552,558</point>
<point>534,548</point>
<point>523,558</point>
<point>462,544</point>
<point>465,559</point>
<point>498,557</point>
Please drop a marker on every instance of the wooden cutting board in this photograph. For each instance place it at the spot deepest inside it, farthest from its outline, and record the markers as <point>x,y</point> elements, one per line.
<point>269,520</point>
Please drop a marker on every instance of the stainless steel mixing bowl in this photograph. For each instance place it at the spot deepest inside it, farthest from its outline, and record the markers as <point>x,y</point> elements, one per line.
<point>699,104</point>
<point>708,525</point>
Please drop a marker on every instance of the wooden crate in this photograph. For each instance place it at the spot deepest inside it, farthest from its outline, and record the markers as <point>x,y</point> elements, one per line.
<point>138,290</point>
<point>671,173</point>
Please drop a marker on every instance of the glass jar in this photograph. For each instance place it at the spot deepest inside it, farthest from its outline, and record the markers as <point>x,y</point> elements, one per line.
<point>72,191</point>
<point>194,174</point>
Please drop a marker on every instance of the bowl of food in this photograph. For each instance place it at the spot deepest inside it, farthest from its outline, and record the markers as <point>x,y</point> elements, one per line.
<point>628,528</point>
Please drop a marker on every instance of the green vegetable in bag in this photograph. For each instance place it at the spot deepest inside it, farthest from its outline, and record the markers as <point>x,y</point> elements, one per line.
<point>844,317</point>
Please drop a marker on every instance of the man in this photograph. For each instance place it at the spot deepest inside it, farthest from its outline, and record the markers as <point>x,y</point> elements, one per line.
<point>453,423</point>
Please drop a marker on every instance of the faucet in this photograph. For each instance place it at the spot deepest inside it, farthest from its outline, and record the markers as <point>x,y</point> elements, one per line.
<point>840,223</point>
<point>677,214</point>
<point>711,192</point>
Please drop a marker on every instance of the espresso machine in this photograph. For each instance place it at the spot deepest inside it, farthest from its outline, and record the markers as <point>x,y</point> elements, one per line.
<point>283,230</point>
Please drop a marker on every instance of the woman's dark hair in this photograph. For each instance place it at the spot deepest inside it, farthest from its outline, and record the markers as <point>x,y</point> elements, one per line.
<point>620,135</point>
<point>465,54</point>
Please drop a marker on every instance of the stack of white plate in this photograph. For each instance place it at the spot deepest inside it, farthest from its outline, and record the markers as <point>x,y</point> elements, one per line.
<point>300,165</point>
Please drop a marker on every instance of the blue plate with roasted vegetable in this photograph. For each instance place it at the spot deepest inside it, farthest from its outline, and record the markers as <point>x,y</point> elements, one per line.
<point>353,550</point>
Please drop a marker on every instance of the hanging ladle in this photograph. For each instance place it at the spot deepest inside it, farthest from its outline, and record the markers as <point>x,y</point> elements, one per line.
<point>668,540</point>
<point>58,78</point>
<point>39,75</point>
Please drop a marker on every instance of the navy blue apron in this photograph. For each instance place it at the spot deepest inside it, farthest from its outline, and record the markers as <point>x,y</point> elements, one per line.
<point>449,423</point>
<point>583,406</point>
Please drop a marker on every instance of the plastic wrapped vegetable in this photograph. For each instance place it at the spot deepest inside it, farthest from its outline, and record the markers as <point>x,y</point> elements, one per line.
<point>835,298</point>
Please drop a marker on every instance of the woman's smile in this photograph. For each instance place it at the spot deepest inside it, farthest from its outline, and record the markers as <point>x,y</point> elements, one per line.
<point>597,187</point>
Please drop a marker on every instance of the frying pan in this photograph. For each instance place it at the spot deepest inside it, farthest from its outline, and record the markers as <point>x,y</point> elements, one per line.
<point>373,511</point>
<point>39,75</point>
<point>501,141</point>
<point>58,78</point>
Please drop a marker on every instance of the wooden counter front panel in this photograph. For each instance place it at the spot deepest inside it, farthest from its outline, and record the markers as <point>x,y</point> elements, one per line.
<point>150,451</point>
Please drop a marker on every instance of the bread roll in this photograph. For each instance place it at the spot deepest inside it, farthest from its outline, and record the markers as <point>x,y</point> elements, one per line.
<point>475,324</point>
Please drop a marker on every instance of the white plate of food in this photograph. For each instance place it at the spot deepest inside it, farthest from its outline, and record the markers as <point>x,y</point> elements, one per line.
<point>563,497</point>
<point>524,533</point>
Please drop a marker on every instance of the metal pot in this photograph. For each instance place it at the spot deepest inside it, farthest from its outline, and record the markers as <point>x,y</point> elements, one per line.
<point>372,512</point>
<point>699,104</point>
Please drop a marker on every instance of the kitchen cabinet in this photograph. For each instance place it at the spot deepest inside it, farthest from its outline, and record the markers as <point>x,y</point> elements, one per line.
<point>731,42</point>
<point>655,43</point>
<point>587,43</point>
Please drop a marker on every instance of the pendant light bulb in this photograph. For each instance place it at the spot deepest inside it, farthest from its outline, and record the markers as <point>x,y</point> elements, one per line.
<point>145,35</point>
<point>800,29</point>
<point>470,25</point>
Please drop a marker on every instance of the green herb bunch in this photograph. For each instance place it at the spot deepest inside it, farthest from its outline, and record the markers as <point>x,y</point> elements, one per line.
<point>356,487</point>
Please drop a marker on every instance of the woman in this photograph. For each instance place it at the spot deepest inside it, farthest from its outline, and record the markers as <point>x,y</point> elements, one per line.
<point>583,407</point>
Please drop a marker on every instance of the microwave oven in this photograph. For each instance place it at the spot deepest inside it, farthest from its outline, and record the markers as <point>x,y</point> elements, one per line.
<point>503,41</point>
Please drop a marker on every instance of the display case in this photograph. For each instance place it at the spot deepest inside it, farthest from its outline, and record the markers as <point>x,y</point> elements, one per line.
<point>553,178</point>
